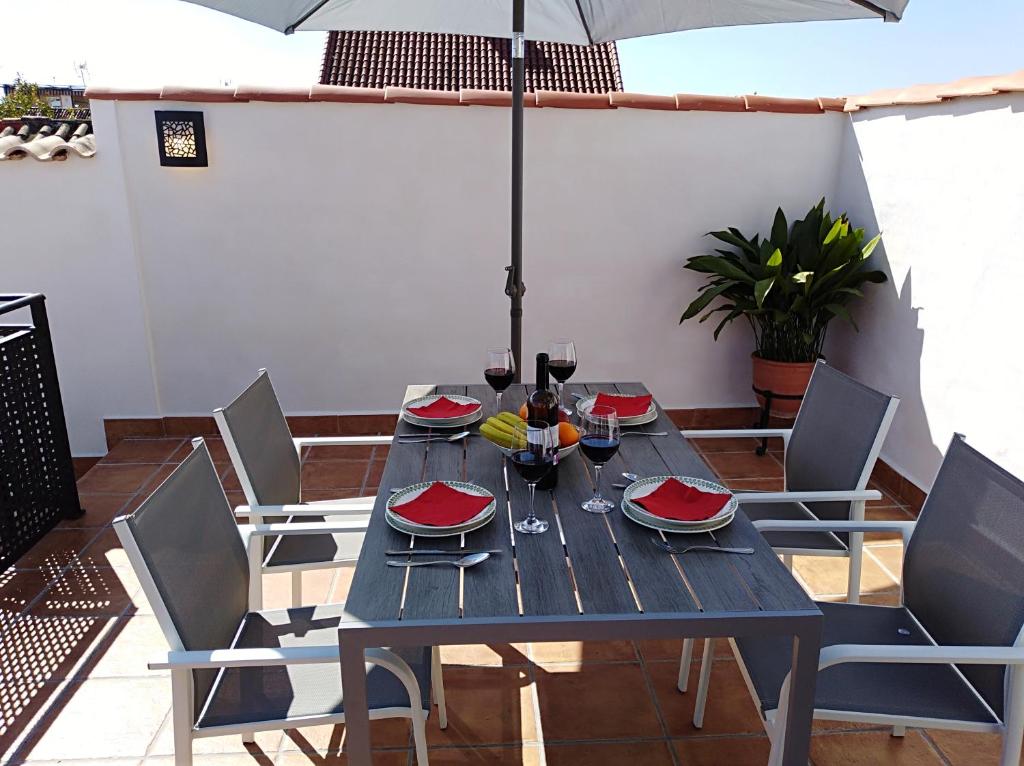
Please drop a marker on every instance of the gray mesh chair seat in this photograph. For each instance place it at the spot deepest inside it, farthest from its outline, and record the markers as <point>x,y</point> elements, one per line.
<point>805,541</point>
<point>319,549</point>
<point>245,695</point>
<point>932,691</point>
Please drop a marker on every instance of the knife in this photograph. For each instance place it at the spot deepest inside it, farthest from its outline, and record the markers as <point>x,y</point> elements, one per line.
<point>426,552</point>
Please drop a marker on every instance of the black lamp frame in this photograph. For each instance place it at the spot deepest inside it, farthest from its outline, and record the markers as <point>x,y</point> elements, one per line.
<point>200,159</point>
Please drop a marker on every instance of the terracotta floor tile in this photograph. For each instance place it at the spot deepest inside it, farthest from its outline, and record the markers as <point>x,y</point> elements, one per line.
<point>584,651</point>
<point>214,444</point>
<point>486,655</point>
<point>359,452</point>
<point>266,745</point>
<point>486,706</point>
<point>383,758</point>
<point>528,755</point>
<point>143,451</point>
<point>829,574</point>
<point>755,485</point>
<point>963,748</point>
<point>132,711</point>
<point>116,478</point>
<point>316,585</point>
<point>47,648</point>
<point>888,499</point>
<point>671,650</point>
<point>730,444</point>
<point>729,709</point>
<point>104,551</point>
<point>394,733</point>
<point>609,754</point>
<point>126,648</point>
<point>890,557</point>
<point>157,479</point>
<point>334,474</point>
<point>19,587</point>
<point>879,513</point>
<point>84,592</point>
<point>56,549</point>
<point>319,495</point>
<point>100,509</point>
<point>734,751</point>
<point>872,749</point>
<point>376,472</point>
<point>743,465</point>
<point>595,702</point>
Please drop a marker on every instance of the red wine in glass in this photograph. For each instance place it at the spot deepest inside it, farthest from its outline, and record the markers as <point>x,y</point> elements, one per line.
<point>533,462</point>
<point>561,369</point>
<point>598,449</point>
<point>599,441</point>
<point>500,371</point>
<point>562,364</point>
<point>531,466</point>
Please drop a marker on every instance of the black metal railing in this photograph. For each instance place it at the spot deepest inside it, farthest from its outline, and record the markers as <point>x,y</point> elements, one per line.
<point>37,476</point>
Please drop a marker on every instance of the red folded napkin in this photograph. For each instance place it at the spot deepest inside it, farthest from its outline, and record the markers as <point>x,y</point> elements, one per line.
<point>443,408</point>
<point>625,406</point>
<point>681,502</point>
<point>442,506</point>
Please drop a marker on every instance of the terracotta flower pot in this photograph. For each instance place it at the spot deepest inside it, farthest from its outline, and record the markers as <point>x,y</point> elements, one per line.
<point>790,378</point>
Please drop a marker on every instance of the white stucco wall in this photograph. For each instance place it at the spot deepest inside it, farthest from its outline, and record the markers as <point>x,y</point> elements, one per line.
<point>353,249</point>
<point>945,185</point>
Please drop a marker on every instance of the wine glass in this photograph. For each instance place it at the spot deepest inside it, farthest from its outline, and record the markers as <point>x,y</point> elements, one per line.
<point>599,441</point>
<point>561,364</point>
<point>501,369</point>
<point>533,458</point>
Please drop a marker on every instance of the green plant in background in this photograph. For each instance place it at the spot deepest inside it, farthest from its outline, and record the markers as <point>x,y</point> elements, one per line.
<point>24,100</point>
<point>788,286</point>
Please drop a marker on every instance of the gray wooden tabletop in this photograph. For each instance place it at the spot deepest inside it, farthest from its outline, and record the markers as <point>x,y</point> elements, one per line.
<point>586,564</point>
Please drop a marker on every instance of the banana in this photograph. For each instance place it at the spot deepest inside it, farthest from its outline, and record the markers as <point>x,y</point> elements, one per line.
<point>499,437</point>
<point>501,425</point>
<point>512,419</point>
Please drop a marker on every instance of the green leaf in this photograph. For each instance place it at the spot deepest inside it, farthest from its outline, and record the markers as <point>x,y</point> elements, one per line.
<point>761,289</point>
<point>703,300</point>
<point>801,277</point>
<point>780,229</point>
<point>837,227</point>
<point>714,265</point>
<point>840,311</point>
<point>735,239</point>
<point>869,248</point>
<point>776,258</point>
<point>729,317</point>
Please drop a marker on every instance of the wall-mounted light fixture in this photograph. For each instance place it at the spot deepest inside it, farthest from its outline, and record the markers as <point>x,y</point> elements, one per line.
<point>181,137</point>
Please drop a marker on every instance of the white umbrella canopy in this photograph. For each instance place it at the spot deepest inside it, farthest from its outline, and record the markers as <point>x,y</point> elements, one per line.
<point>566,21</point>
<point>578,22</point>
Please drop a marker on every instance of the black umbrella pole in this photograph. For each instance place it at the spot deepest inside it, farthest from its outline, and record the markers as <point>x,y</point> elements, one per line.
<point>515,287</point>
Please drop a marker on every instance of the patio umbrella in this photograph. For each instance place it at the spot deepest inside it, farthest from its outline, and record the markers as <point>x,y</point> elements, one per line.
<point>580,22</point>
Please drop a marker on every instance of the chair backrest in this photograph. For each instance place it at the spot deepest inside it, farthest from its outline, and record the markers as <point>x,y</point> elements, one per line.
<point>963,573</point>
<point>836,438</point>
<point>187,551</point>
<point>257,438</point>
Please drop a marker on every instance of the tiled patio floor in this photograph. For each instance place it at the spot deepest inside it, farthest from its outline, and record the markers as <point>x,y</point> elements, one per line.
<point>77,633</point>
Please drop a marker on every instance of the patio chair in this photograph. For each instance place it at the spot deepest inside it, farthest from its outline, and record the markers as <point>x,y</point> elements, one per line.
<point>236,671</point>
<point>828,456</point>
<point>950,657</point>
<point>266,459</point>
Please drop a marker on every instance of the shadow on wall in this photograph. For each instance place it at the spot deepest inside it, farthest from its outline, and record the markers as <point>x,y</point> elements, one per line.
<point>886,353</point>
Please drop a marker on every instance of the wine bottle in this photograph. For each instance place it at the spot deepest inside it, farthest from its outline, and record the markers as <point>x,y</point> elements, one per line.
<point>542,405</point>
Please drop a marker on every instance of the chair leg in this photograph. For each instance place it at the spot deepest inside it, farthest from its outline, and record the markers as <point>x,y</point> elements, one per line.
<point>856,559</point>
<point>296,590</point>
<point>683,683</point>
<point>787,559</point>
<point>419,736</point>
<point>437,687</point>
<point>181,716</point>
<point>706,661</point>
<point>1014,717</point>
<point>249,738</point>
<point>899,731</point>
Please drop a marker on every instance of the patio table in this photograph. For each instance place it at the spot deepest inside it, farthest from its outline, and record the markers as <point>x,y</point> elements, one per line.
<point>590,577</point>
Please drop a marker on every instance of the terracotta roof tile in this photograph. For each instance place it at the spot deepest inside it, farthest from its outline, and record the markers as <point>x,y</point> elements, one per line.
<point>45,140</point>
<point>691,102</point>
<point>207,95</point>
<point>269,93</point>
<point>397,95</point>
<point>346,94</point>
<point>566,100</point>
<point>453,62</point>
<point>642,101</point>
<point>784,105</point>
<point>477,97</point>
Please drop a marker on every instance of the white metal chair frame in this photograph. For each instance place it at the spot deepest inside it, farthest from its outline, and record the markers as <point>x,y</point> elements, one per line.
<point>356,508</point>
<point>1010,726</point>
<point>181,662</point>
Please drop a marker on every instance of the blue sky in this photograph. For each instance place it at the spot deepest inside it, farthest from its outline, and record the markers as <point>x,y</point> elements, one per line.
<point>139,43</point>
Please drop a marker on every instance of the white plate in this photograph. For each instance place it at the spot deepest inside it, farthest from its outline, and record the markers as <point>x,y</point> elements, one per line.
<point>661,526</point>
<point>644,487</point>
<point>461,420</point>
<point>648,417</point>
<point>396,521</point>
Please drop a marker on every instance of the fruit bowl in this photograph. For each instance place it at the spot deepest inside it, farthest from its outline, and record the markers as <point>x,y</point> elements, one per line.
<point>563,452</point>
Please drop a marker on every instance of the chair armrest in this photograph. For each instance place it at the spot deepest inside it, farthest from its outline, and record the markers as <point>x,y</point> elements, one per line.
<point>351,506</point>
<point>341,441</point>
<point>727,433</point>
<point>247,658</point>
<point>929,655</point>
<point>854,496</point>
<point>304,528</point>
<point>905,528</point>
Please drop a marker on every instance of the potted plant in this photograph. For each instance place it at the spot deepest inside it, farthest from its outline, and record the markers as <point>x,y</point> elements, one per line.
<point>788,286</point>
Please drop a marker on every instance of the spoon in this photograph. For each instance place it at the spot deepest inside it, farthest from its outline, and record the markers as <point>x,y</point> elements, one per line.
<point>464,563</point>
<point>710,548</point>
<point>417,439</point>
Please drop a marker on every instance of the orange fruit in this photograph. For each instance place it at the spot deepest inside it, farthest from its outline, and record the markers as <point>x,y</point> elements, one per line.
<point>567,434</point>
<point>522,412</point>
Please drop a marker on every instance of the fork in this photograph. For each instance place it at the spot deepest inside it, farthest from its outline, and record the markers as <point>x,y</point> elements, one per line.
<point>668,547</point>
